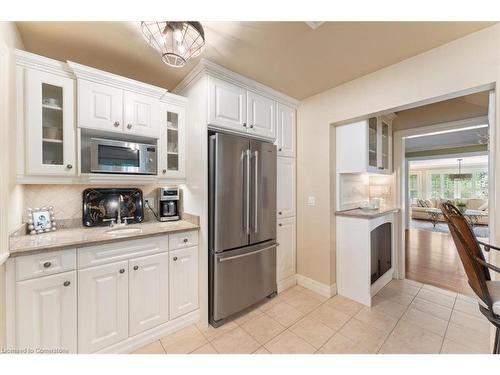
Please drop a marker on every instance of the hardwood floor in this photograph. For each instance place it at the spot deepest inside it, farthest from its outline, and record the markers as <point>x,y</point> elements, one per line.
<point>432,258</point>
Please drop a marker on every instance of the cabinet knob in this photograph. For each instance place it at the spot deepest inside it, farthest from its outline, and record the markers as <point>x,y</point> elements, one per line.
<point>280,213</point>
<point>164,171</point>
<point>279,149</point>
<point>67,283</point>
<point>116,124</point>
<point>175,258</point>
<point>129,126</point>
<point>136,268</point>
<point>122,271</point>
<point>47,264</point>
<point>244,124</point>
<point>280,224</point>
<point>185,240</point>
<point>69,166</point>
<point>251,126</point>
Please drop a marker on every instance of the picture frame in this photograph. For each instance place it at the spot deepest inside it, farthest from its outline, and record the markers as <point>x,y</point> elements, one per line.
<point>41,220</point>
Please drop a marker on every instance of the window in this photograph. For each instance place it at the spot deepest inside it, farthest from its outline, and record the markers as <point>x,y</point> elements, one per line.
<point>442,186</point>
<point>413,186</point>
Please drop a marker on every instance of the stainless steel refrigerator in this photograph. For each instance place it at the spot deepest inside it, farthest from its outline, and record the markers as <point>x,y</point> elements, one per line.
<point>242,224</point>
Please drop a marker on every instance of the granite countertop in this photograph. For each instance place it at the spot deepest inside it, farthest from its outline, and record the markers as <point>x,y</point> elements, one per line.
<point>83,236</point>
<point>367,214</point>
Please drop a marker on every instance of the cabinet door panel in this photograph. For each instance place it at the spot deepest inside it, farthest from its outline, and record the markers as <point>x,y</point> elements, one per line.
<point>285,253</point>
<point>172,142</point>
<point>100,106</point>
<point>183,285</point>
<point>141,114</point>
<point>148,294</point>
<point>102,306</point>
<point>50,122</point>
<point>286,131</point>
<point>227,105</point>
<point>261,115</point>
<point>286,187</point>
<point>46,312</point>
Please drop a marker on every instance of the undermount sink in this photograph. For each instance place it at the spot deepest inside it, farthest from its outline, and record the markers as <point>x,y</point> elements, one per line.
<point>123,231</point>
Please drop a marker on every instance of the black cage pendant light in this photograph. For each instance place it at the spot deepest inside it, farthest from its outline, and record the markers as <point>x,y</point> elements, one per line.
<point>176,41</point>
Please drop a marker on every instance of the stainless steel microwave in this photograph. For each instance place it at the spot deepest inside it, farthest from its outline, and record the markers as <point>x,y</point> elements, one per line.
<point>110,156</point>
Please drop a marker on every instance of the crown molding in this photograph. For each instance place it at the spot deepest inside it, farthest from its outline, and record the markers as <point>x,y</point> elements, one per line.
<point>173,99</point>
<point>207,67</point>
<point>45,64</point>
<point>110,79</point>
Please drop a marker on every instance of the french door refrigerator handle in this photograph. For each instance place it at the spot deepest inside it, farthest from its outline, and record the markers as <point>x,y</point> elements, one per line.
<point>256,187</point>
<point>247,198</point>
<point>247,254</point>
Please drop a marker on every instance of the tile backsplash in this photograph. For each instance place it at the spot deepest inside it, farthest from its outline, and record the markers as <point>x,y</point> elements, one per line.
<point>67,199</point>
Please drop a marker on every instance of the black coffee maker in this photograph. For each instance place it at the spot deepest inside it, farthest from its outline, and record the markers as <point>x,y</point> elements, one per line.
<point>168,203</point>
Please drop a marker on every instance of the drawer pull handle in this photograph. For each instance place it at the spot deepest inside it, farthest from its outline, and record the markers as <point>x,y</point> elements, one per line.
<point>122,271</point>
<point>185,240</point>
<point>47,264</point>
<point>129,126</point>
<point>136,268</point>
<point>67,283</point>
<point>175,258</point>
<point>116,124</point>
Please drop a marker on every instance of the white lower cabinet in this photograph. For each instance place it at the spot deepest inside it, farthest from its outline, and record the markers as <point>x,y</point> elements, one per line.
<point>183,281</point>
<point>148,292</point>
<point>285,258</point>
<point>46,317</point>
<point>102,306</point>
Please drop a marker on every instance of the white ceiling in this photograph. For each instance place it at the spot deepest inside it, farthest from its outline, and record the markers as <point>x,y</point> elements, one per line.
<point>446,140</point>
<point>288,56</point>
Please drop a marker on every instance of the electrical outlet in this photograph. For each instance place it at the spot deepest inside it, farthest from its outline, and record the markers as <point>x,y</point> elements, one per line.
<point>149,202</point>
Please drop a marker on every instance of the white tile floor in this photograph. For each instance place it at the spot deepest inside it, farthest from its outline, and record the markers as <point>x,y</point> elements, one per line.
<point>406,317</point>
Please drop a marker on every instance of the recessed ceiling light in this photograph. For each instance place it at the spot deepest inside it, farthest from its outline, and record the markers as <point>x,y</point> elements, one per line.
<point>314,24</point>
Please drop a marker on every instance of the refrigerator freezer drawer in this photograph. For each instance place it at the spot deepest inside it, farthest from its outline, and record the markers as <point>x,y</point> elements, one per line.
<point>242,278</point>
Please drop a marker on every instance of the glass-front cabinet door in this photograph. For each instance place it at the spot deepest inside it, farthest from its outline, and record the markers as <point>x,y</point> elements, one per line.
<point>372,143</point>
<point>172,141</point>
<point>385,145</point>
<point>50,124</point>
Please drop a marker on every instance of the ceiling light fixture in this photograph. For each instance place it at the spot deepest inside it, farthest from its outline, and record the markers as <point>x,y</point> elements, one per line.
<point>460,176</point>
<point>176,41</point>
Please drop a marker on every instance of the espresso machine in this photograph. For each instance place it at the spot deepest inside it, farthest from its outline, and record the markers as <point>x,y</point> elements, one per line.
<point>169,203</point>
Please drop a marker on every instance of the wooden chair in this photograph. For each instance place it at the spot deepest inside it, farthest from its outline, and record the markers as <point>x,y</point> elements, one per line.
<point>476,267</point>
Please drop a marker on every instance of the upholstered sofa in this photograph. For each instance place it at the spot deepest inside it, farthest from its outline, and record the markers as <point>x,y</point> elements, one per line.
<point>420,208</point>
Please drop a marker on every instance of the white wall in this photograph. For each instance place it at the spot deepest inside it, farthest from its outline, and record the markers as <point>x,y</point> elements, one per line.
<point>455,67</point>
<point>10,193</point>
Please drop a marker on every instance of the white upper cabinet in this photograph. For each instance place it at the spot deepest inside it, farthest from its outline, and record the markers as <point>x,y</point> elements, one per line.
<point>285,187</point>
<point>227,105</point>
<point>261,115</point>
<point>100,106</point>
<point>49,109</point>
<point>172,142</point>
<point>183,273</point>
<point>365,146</point>
<point>286,131</point>
<point>47,312</point>
<point>141,114</point>
<point>102,306</point>
<point>148,292</point>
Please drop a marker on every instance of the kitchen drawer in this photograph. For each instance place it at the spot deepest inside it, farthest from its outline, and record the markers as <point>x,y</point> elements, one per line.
<point>122,250</point>
<point>183,240</point>
<point>42,264</point>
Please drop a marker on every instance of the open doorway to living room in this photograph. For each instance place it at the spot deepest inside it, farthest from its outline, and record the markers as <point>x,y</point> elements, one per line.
<point>445,166</point>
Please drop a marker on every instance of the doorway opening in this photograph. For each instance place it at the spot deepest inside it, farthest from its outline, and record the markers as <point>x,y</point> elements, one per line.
<point>446,159</point>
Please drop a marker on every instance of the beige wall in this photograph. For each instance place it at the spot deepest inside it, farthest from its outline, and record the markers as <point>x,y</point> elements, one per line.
<point>11,195</point>
<point>436,113</point>
<point>457,66</point>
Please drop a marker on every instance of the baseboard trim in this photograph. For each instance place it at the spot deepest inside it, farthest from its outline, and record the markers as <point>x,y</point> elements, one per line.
<point>317,287</point>
<point>153,334</point>
<point>287,283</point>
